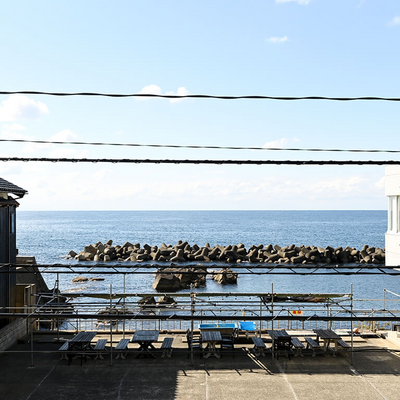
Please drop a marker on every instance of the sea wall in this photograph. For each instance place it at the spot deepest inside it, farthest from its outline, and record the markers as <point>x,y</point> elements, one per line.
<point>11,333</point>
<point>184,252</point>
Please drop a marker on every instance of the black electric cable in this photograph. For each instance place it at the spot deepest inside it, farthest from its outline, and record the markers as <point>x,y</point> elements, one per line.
<point>218,162</point>
<point>200,96</point>
<point>175,146</point>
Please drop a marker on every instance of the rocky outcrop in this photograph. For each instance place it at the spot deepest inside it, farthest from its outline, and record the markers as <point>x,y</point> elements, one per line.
<point>80,279</point>
<point>164,282</point>
<point>184,252</point>
<point>226,276</point>
<point>147,301</point>
<point>164,300</point>
<point>172,279</point>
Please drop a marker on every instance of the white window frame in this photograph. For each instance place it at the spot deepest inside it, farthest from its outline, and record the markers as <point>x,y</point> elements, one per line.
<point>394,214</point>
<point>398,214</point>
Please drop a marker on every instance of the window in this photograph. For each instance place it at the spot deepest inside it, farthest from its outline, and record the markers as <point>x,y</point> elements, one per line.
<point>12,223</point>
<point>394,214</point>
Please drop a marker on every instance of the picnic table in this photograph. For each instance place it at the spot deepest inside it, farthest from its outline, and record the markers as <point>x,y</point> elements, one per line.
<point>211,338</point>
<point>281,342</point>
<point>145,339</point>
<point>80,343</point>
<point>328,336</point>
<point>224,328</point>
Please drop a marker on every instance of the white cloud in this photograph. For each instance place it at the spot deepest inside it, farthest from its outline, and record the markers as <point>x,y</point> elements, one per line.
<point>395,21</point>
<point>13,131</point>
<point>21,107</point>
<point>14,127</point>
<point>353,185</point>
<point>88,183</point>
<point>276,143</point>
<point>380,184</point>
<point>65,135</point>
<point>150,89</point>
<point>154,89</point>
<point>102,174</point>
<point>31,148</point>
<point>276,39</point>
<point>182,91</point>
<point>301,2</point>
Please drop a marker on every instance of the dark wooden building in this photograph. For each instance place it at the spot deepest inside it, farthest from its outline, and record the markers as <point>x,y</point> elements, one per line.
<point>8,246</point>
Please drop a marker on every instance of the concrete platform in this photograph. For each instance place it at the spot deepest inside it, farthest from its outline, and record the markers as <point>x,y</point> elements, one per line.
<point>375,374</point>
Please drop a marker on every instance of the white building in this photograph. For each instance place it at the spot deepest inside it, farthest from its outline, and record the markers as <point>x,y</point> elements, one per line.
<point>392,237</point>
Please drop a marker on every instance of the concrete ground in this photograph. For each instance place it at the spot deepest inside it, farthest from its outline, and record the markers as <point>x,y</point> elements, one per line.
<point>375,374</point>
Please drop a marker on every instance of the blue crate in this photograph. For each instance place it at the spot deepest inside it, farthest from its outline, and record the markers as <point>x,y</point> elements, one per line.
<point>247,326</point>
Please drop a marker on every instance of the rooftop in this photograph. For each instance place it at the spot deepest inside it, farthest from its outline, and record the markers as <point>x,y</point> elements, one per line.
<point>8,187</point>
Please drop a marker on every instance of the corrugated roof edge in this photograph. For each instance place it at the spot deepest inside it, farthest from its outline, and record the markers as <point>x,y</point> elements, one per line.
<point>8,187</point>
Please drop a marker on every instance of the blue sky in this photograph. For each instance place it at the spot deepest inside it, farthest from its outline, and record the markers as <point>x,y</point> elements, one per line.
<point>273,48</point>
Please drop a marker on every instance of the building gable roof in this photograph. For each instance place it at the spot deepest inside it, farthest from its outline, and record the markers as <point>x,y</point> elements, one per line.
<point>8,187</point>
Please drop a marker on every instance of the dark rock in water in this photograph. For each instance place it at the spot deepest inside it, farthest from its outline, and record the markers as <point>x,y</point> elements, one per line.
<point>80,279</point>
<point>354,253</point>
<point>167,283</point>
<point>109,250</point>
<point>226,276</point>
<point>94,279</point>
<point>166,300</point>
<point>298,259</point>
<point>147,247</point>
<point>273,257</point>
<point>252,256</point>
<point>72,254</point>
<point>143,257</point>
<point>195,276</point>
<point>179,256</point>
<point>214,253</point>
<point>147,300</point>
<point>90,249</point>
<point>343,257</point>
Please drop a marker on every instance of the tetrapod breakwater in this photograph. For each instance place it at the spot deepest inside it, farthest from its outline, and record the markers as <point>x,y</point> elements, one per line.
<point>185,252</point>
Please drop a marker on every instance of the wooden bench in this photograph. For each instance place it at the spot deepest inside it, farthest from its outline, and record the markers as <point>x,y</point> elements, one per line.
<point>99,347</point>
<point>259,346</point>
<point>312,344</point>
<point>122,348</point>
<point>64,349</point>
<point>298,346</point>
<point>344,345</point>
<point>166,347</point>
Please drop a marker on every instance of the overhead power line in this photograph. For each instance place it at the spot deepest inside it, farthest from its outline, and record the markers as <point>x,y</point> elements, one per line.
<point>200,96</point>
<point>218,162</point>
<point>176,146</point>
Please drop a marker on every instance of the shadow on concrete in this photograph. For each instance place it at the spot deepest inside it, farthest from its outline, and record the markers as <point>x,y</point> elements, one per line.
<point>176,378</point>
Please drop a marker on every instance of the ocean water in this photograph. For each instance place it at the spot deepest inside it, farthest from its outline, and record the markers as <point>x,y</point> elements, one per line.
<point>49,236</point>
